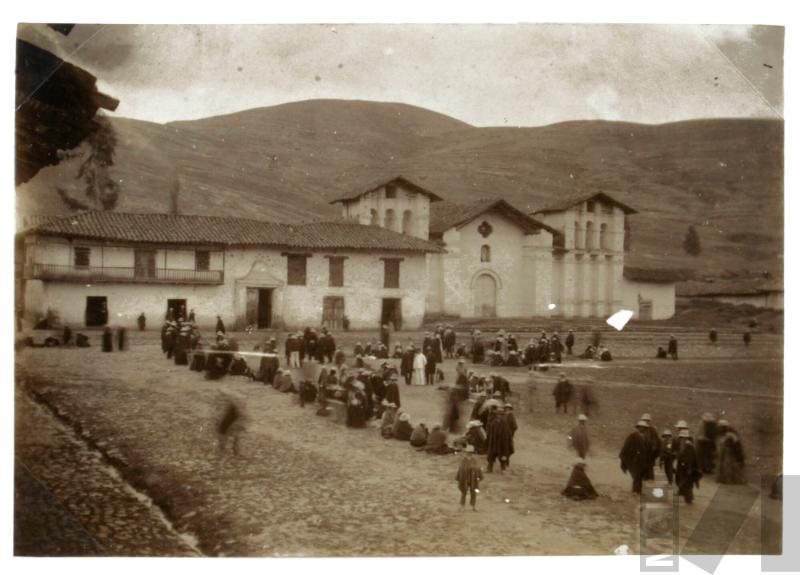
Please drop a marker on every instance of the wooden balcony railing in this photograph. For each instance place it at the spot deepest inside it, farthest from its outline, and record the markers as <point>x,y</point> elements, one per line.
<point>127,275</point>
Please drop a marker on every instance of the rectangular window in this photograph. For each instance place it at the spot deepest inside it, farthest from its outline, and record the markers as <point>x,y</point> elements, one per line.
<point>144,262</point>
<point>590,206</point>
<point>202,260</point>
<point>82,257</point>
<point>336,266</point>
<point>391,192</point>
<point>391,273</point>
<point>296,274</point>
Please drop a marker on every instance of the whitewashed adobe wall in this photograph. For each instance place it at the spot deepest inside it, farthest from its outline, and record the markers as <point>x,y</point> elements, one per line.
<point>661,294</point>
<point>293,306</point>
<point>418,204</point>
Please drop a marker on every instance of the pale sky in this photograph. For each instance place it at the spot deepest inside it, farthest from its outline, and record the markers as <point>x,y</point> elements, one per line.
<point>525,75</point>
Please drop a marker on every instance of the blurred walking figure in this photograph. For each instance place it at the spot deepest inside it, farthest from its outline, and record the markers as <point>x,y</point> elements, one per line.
<point>220,325</point>
<point>712,335</point>
<point>530,385</point>
<point>108,339</point>
<point>570,341</point>
<point>731,455</point>
<point>468,476</point>
<point>746,338</point>
<point>231,420</point>
<point>141,321</point>
<point>707,443</point>
<point>562,392</point>
<point>579,438</point>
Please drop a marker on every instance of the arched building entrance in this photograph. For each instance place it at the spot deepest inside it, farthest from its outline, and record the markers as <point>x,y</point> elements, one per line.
<point>484,294</point>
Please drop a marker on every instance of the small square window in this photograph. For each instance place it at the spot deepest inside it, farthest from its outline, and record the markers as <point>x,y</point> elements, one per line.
<point>391,191</point>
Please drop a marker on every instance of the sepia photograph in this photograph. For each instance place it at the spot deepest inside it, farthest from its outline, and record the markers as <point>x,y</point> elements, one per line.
<point>398,290</point>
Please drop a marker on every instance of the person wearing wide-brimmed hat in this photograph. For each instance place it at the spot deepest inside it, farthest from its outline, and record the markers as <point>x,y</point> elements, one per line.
<point>468,477</point>
<point>499,439</point>
<point>476,436</point>
<point>687,470</point>
<point>653,442</point>
<point>634,457</point>
<point>402,429</point>
<point>419,437</point>
<point>562,392</point>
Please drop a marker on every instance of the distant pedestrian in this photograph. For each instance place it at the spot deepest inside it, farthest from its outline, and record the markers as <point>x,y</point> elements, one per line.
<point>385,335</point>
<point>141,321</point>
<point>531,385</point>
<point>672,347</point>
<point>122,339</point>
<point>220,325</point>
<point>191,316</point>
<point>108,339</point>
<point>468,477</point>
<point>67,335</point>
<point>746,338</point>
<point>570,341</point>
<point>712,335</point>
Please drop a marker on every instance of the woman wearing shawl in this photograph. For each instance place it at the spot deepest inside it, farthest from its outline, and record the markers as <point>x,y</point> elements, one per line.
<point>402,429</point>
<point>356,404</point>
<point>579,487</point>
<point>419,437</point>
<point>579,438</point>
<point>387,420</point>
<point>707,443</point>
<point>468,477</point>
<point>437,442</point>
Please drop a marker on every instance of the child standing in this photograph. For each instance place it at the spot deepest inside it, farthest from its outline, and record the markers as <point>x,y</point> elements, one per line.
<point>468,477</point>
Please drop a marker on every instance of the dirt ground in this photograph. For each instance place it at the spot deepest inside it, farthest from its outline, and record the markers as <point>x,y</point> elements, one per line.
<point>307,485</point>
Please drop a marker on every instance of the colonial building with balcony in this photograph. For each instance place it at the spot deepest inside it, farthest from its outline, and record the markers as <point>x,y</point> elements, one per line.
<point>99,268</point>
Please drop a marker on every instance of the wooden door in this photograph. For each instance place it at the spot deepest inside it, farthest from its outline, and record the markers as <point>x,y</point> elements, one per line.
<point>333,312</point>
<point>485,296</point>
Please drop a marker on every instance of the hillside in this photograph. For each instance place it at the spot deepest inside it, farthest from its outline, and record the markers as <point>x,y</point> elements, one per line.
<point>286,162</point>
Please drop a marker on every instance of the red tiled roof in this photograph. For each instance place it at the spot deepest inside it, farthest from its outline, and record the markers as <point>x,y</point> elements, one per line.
<point>446,215</point>
<point>379,183</point>
<point>210,230</point>
<point>571,201</point>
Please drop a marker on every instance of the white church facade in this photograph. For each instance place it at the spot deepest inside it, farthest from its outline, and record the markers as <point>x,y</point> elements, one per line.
<point>400,254</point>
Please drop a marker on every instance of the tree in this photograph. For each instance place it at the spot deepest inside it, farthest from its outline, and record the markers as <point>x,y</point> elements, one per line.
<point>691,243</point>
<point>100,189</point>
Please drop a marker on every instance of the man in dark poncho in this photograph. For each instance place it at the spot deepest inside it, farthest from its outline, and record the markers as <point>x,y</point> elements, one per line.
<point>707,443</point>
<point>182,346</point>
<point>478,351</point>
<point>687,471</point>
<point>220,325</point>
<point>67,338</point>
<point>81,340</point>
<point>634,456</point>
<point>712,335</point>
<point>108,339</point>
<point>468,477</point>
<point>579,487</point>
<point>407,364</point>
<point>499,439</point>
<point>449,341</point>
<point>452,410</point>
<point>731,455</point>
<point>392,393</point>
<point>562,392</point>
<point>667,455</point>
<point>198,362</point>
<point>356,404</point>
<point>653,442</point>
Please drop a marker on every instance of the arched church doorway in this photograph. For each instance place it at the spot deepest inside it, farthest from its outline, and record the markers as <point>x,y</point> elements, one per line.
<point>485,296</point>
